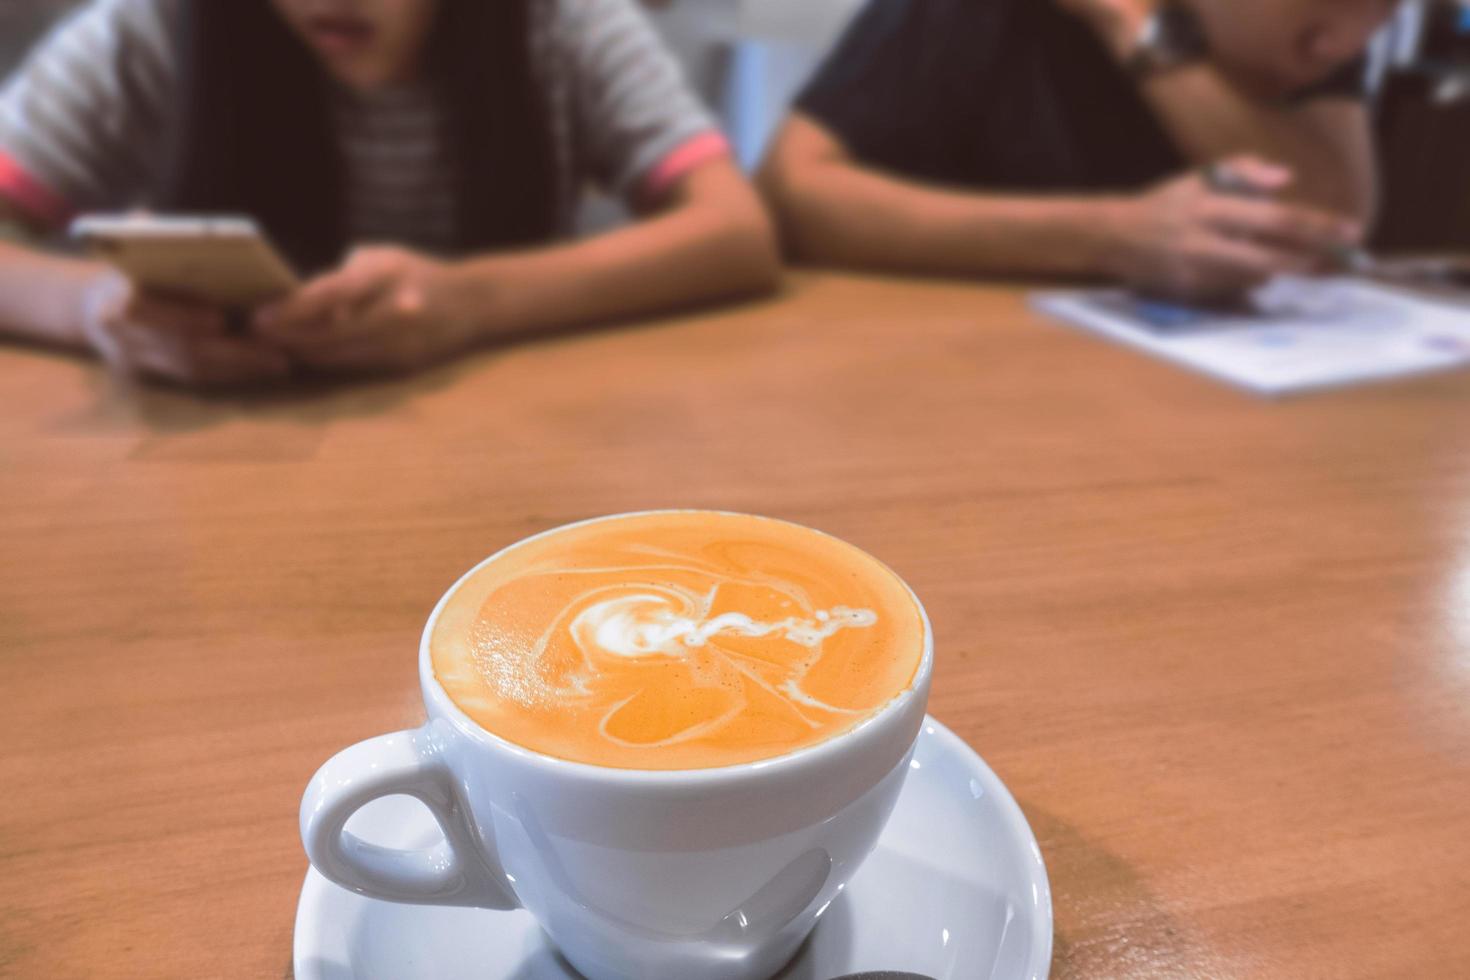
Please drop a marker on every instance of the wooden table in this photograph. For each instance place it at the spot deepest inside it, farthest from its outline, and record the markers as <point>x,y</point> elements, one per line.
<point>1218,647</point>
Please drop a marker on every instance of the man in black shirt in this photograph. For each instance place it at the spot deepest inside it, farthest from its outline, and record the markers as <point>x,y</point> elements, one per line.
<point>1067,137</point>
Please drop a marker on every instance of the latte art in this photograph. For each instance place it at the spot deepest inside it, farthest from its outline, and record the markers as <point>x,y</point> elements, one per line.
<point>676,640</point>
<point>641,625</point>
<point>677,624</point>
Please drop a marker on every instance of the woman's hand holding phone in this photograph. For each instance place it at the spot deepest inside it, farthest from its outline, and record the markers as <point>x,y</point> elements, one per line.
<point>386,309</point>
<point>182,341</point>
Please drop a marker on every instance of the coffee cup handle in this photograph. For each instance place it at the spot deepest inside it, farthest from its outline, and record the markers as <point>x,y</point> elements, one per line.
<point>453,872</point>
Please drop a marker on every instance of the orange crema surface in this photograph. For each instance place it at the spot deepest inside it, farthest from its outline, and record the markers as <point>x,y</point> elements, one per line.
<point>677,640</point>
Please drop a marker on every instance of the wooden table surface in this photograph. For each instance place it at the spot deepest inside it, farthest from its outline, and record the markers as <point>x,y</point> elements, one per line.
<point>1219,648</point>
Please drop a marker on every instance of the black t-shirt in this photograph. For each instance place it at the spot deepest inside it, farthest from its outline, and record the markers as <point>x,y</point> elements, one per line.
<point>1015,95</point>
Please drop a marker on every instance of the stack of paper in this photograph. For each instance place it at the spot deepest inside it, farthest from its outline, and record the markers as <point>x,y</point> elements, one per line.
<point>1293,335</point>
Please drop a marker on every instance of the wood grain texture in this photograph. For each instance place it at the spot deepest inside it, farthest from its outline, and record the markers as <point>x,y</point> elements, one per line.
<point>1219,648</point>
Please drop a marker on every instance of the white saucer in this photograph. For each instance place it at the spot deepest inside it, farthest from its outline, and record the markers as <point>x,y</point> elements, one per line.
<point>956,889</point>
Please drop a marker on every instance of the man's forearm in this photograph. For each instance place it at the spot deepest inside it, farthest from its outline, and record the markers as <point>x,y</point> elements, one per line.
<point>1210,119</point>
<point>842,214</point>
<point>1324,142</point>
<point>41,296</point>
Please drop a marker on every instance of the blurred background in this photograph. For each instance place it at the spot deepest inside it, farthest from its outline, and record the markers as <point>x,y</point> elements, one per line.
<point>748,57</point>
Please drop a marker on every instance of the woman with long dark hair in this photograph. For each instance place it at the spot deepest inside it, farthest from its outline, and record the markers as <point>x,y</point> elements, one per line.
<point>419,160</point>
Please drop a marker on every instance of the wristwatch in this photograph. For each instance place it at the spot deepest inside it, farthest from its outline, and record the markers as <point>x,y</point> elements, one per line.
<point>1172,36</point>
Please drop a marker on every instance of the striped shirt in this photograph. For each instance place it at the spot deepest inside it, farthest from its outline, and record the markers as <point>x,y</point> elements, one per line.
<point>396,170</point>
<point>81,121</point>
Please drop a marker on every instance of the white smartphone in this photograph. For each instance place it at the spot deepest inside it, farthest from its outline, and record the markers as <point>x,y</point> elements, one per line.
<point>220,259</point>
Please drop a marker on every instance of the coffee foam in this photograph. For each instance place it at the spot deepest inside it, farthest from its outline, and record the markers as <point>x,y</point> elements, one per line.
<point>676,640</point>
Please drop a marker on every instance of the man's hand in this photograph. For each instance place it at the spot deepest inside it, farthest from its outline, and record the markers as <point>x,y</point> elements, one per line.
<point>385,310</point>
<point>1186,240</point>
<point>171,339</point>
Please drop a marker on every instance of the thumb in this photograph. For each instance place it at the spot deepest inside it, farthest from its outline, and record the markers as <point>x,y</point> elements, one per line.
<point>310,304</point>
<point>1248,174</point>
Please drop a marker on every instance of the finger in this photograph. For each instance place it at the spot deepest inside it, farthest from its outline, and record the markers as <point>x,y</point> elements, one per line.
<point>226,360</point>
<point>1287,225</point>
<point>322,304</point>
<point>352,358</point>
<point>1224,268</point>
<point>213,361</point>
<point>1253,263</point>
<point>377,324</point>
<point>407,300</point>
<point>135,348</point>
<point>311,305</point>
<point>138,348</point>
<point>1253,174</point>
<point>174,315</point>
<point>105,337</point>
<point>378,353</point>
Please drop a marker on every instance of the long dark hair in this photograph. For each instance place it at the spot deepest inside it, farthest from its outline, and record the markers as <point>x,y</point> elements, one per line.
<point>253,132</point>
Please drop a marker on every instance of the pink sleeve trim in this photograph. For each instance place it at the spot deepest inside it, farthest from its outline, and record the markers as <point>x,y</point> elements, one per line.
<point>33,197</point>
<point>678,162</point>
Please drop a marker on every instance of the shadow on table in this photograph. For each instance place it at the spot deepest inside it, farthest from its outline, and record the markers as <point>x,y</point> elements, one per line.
<point>171,409</point>
<point>308,401</point>
<point>1107,920</point>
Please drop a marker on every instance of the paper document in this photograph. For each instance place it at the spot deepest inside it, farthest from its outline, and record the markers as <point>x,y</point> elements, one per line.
<point>1293,335</point>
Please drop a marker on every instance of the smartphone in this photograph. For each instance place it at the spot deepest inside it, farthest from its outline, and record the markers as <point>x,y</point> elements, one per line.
<point>221,259</point>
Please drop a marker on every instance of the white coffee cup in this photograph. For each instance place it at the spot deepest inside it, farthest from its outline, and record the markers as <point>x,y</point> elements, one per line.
<point>715,874</point>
